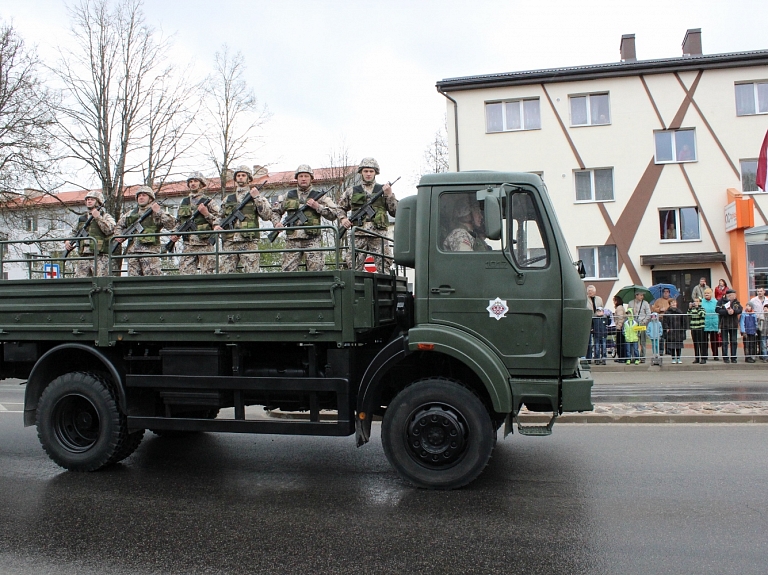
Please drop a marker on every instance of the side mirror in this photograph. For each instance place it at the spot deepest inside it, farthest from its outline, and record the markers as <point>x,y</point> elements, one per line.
<point>492,214</point>
<point>581,269</point>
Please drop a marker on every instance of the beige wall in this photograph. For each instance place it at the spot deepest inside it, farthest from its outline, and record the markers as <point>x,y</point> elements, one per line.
<point>626,145</point>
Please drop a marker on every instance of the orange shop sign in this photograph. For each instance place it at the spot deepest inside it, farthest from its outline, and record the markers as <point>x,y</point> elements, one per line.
<point>739,214</point>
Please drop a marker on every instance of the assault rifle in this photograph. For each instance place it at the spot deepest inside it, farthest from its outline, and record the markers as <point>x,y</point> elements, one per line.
<point>365,210</point>
<point>187,226</point>
<point>229,221</point>
<point>135,229</point>
<point>298,218</point>
<point>83,233</point>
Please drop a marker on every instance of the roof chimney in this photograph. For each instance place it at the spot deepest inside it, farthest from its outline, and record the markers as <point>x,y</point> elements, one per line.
<point>692,42</point>
<point>627,48</point>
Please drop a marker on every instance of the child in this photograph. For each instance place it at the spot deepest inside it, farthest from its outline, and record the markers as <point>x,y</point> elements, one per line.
<point>674,323</point>
<point>630,338</point>
<point>697,317</point>
<point>748,329</point>
<point>599,332</point>
<point>653,331</point>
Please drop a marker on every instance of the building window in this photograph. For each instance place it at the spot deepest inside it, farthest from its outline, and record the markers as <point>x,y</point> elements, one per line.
<point>600,262</point>
<point>30,223</point>
<point>675,146</point>
<point>513,115</point>
<point>752,98</point>
<point>749,176</point>
<point>679,224</point>
<point>594,185</point>
<point>590,110</point>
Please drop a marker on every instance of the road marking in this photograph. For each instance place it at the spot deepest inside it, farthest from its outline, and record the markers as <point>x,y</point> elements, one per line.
<point>4,409</point>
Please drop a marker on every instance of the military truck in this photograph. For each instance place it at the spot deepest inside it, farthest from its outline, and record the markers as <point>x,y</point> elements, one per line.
<point>482,334</point>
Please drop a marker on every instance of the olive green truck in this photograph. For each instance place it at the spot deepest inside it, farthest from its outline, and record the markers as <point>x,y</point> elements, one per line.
<point>482,332</point>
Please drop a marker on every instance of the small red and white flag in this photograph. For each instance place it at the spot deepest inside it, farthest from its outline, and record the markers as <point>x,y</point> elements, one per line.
<point>762,164</point>
<point>370,265</point>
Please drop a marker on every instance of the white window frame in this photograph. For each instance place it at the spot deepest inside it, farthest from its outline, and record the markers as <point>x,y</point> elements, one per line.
<point>589,109</point>
<point>674,159</point>
<point>756,100</point>
<point>741,173</point>
<point>596,256</point>
<point>503,103</point>
<point>592,189</point>
<point>679,225</point>
<point>31,223</point>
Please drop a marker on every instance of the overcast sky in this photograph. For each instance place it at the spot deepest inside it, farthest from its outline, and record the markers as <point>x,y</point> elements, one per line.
<point>363,73</point>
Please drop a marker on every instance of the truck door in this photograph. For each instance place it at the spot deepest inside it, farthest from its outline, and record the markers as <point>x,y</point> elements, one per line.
<point>505,292</point>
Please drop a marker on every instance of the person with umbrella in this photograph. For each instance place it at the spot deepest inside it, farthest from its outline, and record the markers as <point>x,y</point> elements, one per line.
<point>662,304</point>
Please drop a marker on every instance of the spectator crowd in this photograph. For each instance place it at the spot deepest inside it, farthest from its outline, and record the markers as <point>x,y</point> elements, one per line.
<point>714,317</point>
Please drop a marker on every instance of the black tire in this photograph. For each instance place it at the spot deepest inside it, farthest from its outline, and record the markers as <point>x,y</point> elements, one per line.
<point>459,428</point>
<point>79,423</point>
<point>131,444</point>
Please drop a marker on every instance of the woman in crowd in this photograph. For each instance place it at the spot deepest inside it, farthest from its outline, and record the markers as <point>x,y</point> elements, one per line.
<point>720,290</point>
<point>618,318</point>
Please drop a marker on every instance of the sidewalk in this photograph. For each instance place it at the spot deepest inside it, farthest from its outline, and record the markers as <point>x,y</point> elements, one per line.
<point>694,375</point>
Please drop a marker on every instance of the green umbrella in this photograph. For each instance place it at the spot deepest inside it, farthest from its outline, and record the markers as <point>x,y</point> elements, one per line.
<point>628,293</point>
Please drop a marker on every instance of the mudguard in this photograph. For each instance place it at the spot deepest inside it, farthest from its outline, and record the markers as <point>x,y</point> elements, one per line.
<point>59,360</point>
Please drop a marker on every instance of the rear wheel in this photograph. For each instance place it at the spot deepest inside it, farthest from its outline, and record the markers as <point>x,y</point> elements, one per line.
<point>79,423</point>
<point>437,434</point>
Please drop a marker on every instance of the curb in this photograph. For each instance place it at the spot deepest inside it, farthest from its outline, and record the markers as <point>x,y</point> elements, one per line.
<point>647,418</point>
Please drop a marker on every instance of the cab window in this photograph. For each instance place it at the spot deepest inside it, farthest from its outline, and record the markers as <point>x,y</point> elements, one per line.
<point>462,228</point>
<point>526,238</point>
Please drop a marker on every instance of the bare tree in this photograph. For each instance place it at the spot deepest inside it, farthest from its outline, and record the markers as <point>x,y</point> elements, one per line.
<point>116,117</point>
<point>234,113</point>
<point>341,169</point>
<point>436,154</point>
<point>25,119</point>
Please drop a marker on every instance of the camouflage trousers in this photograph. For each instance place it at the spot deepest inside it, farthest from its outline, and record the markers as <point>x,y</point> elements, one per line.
<point>84,268</point>
<point>366,243</point>
<point>188,263</point>
<point>228,263</point>
<point>150,266</point>
<point>315,260</point>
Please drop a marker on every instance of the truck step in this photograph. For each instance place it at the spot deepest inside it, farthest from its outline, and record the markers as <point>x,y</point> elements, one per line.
<point>536,430</point>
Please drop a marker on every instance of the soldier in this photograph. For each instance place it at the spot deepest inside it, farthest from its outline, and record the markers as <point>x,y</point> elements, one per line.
<point>354,198</point>
<point>466,236</point>
<point>244,240</point>
<point>306,240</point>
<point>100,228</point>
<point>144,266</point>
<point>207,219</point>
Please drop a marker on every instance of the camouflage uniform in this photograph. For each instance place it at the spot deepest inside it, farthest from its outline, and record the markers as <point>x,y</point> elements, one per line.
<point>308,241</point>
<point>244,240</point>
<point>198,243</point>
<point>463,239</point>
<point>354,198</point>
<point>100,229</point>
<point>149,266</point>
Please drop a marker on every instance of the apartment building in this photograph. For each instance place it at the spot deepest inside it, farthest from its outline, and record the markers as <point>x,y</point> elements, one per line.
<point>650,164</point>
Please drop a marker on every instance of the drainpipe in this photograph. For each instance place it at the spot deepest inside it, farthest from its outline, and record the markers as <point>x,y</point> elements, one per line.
<point>455,124</point>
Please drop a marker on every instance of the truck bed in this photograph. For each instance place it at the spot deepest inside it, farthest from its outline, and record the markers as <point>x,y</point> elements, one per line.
<point>339,306</point>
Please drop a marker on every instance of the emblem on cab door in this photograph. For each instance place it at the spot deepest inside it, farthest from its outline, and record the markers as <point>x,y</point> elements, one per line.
<point>497,308</point>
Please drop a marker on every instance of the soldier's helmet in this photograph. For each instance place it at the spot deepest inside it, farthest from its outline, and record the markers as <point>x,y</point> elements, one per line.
<point>146,190</point>
<point>244,169</point>
<point>304,169</point>
<point>97,195</point>
<point>369,163</point>
<point>462,208</point>
<point>199,177</point>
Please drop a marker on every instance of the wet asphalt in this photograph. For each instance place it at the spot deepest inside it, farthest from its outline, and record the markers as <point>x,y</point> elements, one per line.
<point>589,499</point>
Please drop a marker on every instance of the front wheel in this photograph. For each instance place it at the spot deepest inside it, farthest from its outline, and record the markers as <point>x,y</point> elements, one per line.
<point>79,423</point>
<point>437,434</point>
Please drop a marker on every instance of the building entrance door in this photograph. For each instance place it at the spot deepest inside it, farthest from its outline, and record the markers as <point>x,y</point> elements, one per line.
<point>684,280</point>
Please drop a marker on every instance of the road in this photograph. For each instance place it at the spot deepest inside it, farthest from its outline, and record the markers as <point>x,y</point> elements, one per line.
<point>591,499</point>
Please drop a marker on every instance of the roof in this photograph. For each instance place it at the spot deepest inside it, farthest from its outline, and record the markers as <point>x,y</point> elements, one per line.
<point>276,180</point>
<point>610,70</point>
<point>479,177</point>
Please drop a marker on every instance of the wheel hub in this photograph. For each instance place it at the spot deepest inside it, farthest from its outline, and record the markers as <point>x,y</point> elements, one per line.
<point>437,435</point>
<point>76,423</point>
